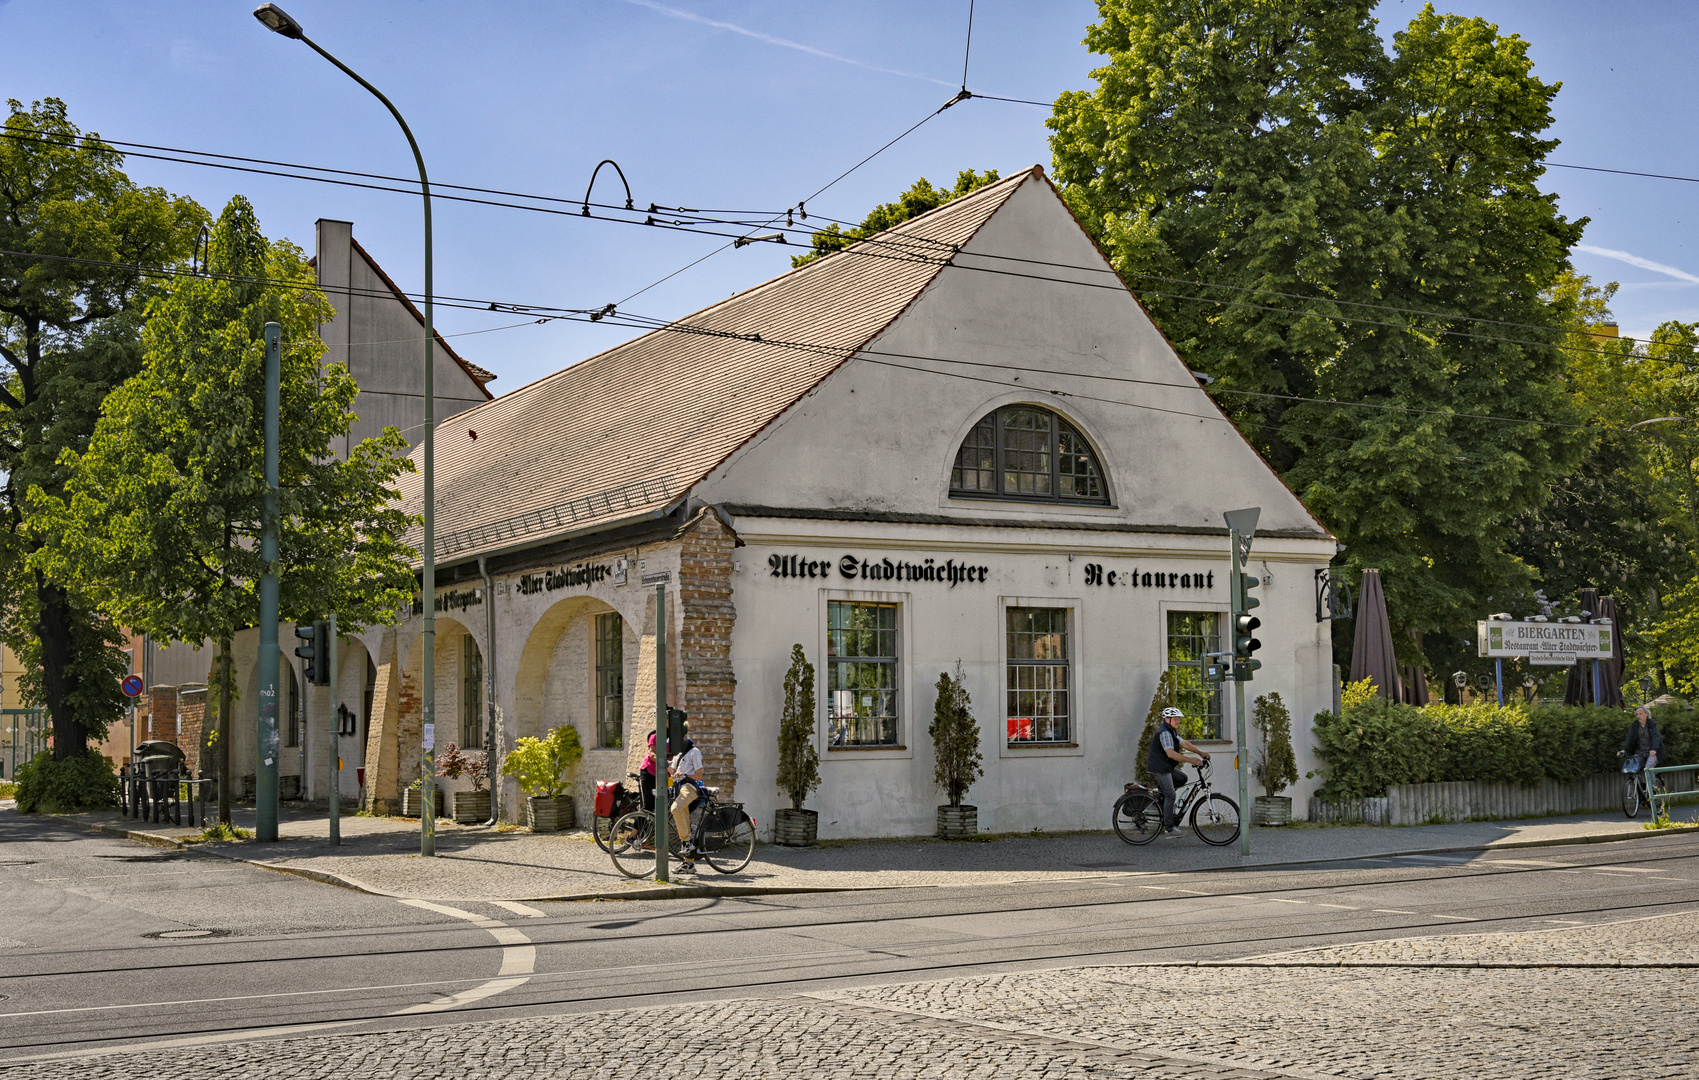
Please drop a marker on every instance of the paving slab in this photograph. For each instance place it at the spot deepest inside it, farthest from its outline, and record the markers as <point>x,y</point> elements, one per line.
<point>380,855</point>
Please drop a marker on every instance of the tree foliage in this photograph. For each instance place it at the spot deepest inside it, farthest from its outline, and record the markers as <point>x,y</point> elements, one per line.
<point>543,767</point>
<point>1309,216</point>
<point>1164,696</point>
<point>799,761</point>
<point>917,200</point>
<point>70,321</point>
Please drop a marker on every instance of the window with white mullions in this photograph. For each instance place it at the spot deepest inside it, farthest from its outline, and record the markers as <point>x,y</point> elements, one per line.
<point>861,673</point>
<point>610,681</point>
<point>1039,682</point>
<point>1029,454</point>
<point>1192,635</point>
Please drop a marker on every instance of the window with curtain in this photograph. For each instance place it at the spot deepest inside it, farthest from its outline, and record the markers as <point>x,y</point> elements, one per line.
<point>1039,697</point>
<point>861,673</point>
<point>610,681</point>
<point>1191,636</point>
<point>1028,454</point>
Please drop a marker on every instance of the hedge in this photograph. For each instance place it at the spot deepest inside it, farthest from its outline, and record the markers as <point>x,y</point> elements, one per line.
<point>66,787</point>
<point>1374,743</point>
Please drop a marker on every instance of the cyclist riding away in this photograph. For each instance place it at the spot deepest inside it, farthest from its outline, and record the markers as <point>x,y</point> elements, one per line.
<point>1166,752</point>
<point>1643,742</point>
<point>685,772</point>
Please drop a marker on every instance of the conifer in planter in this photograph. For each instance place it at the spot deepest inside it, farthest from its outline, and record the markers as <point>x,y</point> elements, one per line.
<point>799,761</point>
<point>1276,767</point>
<point>543,769</point>
<point>470,807</point>
<point>1162,699</point>
<point>956,761</point>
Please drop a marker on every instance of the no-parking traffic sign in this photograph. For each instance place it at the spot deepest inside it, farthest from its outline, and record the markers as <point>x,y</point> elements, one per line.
<point>132,685</point>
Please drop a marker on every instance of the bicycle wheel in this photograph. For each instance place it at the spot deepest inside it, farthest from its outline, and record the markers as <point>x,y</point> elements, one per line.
<point>1137,817</point>
<point>602,828</point>
<point>1631,795</point>
<point>631,842</point>
<point>734,853</point>
<point>1216,820</point>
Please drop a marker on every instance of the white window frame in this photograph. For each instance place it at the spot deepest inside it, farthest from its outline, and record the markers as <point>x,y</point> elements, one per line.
<point>1224,612</point>
<point>906,729</point>
<point>1077,667</point>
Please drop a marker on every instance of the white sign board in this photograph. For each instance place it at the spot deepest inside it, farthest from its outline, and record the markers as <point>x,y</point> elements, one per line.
<point>1544,642</point>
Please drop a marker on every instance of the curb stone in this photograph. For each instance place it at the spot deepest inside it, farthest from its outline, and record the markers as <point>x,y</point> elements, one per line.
<point>675,891</point>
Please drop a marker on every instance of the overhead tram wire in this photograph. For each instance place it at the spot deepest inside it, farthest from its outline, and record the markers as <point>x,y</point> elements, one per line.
<point>651,324</point>
<point>905,247</point>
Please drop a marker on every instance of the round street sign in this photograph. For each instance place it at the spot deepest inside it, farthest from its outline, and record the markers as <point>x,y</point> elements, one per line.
<point>132,685</point>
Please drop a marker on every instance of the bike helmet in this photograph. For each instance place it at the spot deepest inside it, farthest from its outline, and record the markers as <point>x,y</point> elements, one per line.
<point>1171,713</point>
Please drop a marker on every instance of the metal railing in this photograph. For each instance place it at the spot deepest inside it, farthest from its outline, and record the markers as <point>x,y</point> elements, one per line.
<point>1652,784</point>
<point>160,797</point>
<point>23,735</point>
<point>562,515</point>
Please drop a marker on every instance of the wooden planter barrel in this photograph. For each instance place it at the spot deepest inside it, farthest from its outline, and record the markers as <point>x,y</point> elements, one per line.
<point>549,813</point>
<point>796,828</point>
<point>411,802</point>
<point>471,807</point>
<point>958,822</point>
<point>1272,810</point>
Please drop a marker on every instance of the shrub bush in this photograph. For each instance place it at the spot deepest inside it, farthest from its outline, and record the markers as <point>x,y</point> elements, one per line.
<point>1372,743</point>
<point>89,782</point>
<point>542,767</point>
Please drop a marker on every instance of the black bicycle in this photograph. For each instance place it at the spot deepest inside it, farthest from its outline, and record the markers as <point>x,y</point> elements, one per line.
<point>1215,818</point>
<point>722,832</point>
<point>613,801</point>
<point>1638,785</point>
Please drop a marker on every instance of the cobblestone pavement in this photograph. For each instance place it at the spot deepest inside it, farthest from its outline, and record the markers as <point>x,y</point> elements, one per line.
<point>1106,1022</point>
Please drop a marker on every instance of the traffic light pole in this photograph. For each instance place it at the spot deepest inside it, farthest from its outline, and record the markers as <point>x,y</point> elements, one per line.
<point>663,802</point>
<point>335,765</point>
<point>265,768</point>
<point>1241,760</point>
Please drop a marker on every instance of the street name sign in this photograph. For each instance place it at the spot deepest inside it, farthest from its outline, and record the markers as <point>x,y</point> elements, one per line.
<point>1551,643</point>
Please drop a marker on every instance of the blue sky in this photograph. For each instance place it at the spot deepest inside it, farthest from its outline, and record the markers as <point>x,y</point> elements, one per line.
<point>743,104</point>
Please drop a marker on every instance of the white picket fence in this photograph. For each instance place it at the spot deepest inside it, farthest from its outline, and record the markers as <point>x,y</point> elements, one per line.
<point>1479,800</point>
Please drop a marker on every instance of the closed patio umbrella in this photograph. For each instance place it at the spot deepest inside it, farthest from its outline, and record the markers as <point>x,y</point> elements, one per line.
<point>1579,689</point>
<point>1372,655</point>
<point>1610,672</point>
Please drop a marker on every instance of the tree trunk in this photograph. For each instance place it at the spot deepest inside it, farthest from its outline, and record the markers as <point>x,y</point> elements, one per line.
<point>221,754</point>
<point>53,624</point>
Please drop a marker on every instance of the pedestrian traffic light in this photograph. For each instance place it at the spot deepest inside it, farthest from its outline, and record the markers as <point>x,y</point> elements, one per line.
<point>314,651</point>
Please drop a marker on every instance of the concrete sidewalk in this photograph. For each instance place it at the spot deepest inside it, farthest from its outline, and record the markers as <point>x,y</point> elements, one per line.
<point>381,855</point>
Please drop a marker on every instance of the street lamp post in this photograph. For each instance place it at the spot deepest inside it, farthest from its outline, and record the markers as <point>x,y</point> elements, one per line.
<point>277,20</point>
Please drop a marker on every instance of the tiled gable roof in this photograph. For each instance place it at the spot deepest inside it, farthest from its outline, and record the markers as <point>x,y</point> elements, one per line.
<point>631,429</point>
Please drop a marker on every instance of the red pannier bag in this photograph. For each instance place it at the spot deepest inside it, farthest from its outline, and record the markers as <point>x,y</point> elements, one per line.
<point>605,792</point>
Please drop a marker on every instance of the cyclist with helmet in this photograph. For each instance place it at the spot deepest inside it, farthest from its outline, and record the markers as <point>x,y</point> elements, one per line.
<point>1167,752</point>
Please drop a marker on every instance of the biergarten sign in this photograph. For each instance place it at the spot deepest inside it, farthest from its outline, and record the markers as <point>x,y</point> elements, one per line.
<point>1551,643</point>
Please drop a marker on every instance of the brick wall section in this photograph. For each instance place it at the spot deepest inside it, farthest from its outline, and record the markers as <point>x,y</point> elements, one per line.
<point>191,712</point>
<point>383,744</point>
<point>161,715</point>
<point>705,646</point>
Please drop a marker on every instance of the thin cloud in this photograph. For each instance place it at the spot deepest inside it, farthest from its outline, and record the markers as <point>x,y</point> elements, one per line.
<point>1635,260</point>
<point>769,39</point>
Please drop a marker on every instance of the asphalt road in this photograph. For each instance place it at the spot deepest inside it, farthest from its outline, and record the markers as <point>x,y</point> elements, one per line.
<point>107,945</point>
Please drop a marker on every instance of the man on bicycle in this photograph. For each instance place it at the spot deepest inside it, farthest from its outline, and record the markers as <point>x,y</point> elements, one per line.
<point>685,771</point>
<point>1163,761</point>
<point>1643,741</point>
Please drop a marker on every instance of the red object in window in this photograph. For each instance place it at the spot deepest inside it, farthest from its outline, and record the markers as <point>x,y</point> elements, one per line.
<point>1020,729</point>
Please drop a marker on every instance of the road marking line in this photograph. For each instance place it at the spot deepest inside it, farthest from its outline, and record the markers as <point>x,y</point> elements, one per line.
<point>1280,900</point>
<point>518,961</point>
<point>520,909</point>
<point>1346,907</point>
<point>1628,869</point>
<point>1568,922</point>
<point>1392,911</point>
<point>1525,862</point>
<point>1459,918</point>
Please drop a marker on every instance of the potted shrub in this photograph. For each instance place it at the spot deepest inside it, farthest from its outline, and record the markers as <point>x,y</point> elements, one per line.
<point>956,761</point>
<point>470,807</point>
<point>542,768</point>
<point>411,800</point>
<point>799,761</point>
<point>1276,767</point>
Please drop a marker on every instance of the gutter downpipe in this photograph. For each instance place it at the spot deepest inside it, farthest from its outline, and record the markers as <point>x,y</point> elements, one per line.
<point>490,691</point>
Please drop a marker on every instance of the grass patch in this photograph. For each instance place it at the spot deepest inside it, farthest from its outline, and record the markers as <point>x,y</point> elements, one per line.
<point>220,833</point>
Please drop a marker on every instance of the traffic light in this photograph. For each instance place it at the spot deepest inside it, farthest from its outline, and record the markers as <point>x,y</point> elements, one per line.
<point>675,729</point>
<point>315,651</point>
<point>1245,624</point>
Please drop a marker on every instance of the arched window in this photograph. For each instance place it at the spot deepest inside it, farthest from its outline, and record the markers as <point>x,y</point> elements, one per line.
<point>1030,454</point>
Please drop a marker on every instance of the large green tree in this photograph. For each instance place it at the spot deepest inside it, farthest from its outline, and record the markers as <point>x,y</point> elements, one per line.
<point>920,197</point>
<point>75,233</point>
<point>1315,219</point>
<point>163,512</point>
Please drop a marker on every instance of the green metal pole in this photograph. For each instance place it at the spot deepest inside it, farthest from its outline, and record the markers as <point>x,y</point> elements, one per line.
<point>663,752</point>
<point>335,765</point>
<point>1241,761</point>
<point>265,743</point>
<point>427,674</point>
